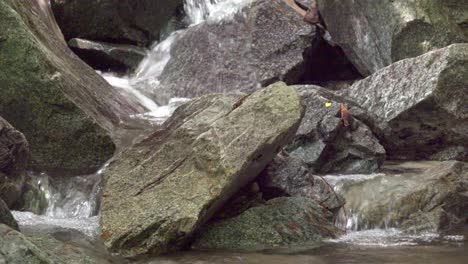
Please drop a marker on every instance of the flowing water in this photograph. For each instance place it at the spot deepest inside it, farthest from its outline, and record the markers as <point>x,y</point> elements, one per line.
<point>73,204</point>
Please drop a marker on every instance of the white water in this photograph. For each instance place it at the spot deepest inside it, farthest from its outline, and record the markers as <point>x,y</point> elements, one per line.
<point>144,82</point>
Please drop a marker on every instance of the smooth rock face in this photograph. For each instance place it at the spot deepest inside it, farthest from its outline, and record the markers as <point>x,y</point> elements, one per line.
<point>51,96</point>
<point>16,248</point>
<point>158,192</point>
<point>117,21</point>
<point>414,196</point>
<point>14,154</point>
<point>262,44</point>
<point>6,217</point>
<point>375,34</point>
<point>324,143</point>
<point>419,104</point>
<point>108,56</point>
<point>281,222</point>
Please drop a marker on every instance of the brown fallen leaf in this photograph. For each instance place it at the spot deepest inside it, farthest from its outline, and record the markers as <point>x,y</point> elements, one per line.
<point>345,115</point>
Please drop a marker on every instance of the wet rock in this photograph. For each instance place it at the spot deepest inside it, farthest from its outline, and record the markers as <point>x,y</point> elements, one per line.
<point>325,144</point>
<point>419,104</point>
<point>33,199</point>
<point>375,34</point>
<point>211,147</point>
<point>14,154</point>
<point>282,222</point>
<point>262,44</point>
<point>58,102</point>
<point>6,217</point>
<point>117,21</point>
<point>414,196</point>
<point>290,176</point>
<point>16,248</point>
<point>107,56</point>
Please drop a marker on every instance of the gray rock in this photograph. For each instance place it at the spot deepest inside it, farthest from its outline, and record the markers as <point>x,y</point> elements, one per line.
<point>375,34</point>
<point>16,248</point>
<point>290,176</point>
<point>108,56</point>
<point>262,44</point>
<point>326,145</point>
<point>282,222</point>
<point>419,104</point>
<point>6,217</point>
<point>58,102</point>
<point>14,154</point>
<point>210,148</point>
<point>117,21</point>
<point>414,196</point>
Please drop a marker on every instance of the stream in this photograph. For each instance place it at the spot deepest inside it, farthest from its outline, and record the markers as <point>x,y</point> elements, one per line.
<point>73,204</point>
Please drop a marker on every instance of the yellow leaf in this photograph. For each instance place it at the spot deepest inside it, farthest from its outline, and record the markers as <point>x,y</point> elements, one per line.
<point>328,104</point>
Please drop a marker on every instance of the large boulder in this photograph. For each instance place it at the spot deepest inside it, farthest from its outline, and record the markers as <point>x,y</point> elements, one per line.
<point>6,217</point>
<point>419,104</point>
<point>14,154</point>
<point>157,193</point>
<point>282,222</point>
<point>326,144</point>
<point>415,196</point>
<point>116,21</point>
<point>49,94</point>
<point>375,34</point>
<point>16,248</point>
<point>261,44</point>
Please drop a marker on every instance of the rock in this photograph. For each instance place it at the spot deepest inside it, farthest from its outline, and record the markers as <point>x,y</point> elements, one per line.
<point>33,199</point>
<point>107,56</point>
<point>58,102</point>
<point>116,21</point>
<point>290,176</point>
<point>415,196</point>
<point>14,154</point>
<point>16,248</point>
<point>419,104</point>
<point>262,44</point>
<point>6,217</point>
<point>212,147</point>
<point>282,222</point>
<point>375,34</point>
<point>326,145</point>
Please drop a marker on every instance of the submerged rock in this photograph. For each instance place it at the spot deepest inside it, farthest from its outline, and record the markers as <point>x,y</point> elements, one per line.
<point>419,104</point>
<point>117,21</point>
<point>375,34</point>
<point>282,222</point>
<point>323,141</point>
<point>108,56</point>
<point>160,191</point>
<point>58,102</point>
<point>6,217</point>
<point>414,196</point>
<point>14,154</point>
<point>261,44</point>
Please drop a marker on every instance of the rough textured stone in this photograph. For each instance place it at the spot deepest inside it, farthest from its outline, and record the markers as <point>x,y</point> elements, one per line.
<point>419,104</point>
<point>16,248</point>
<point>374,34</point>
<point>414,196</point>
<point>14,154</point>
<point>325,144</point>
<point>6,217</point>
<point>158,192</point>
<point>51,96</point>
<point>290,176</point>
<point>107,56</point>
<point>117,21</point>
<point>262,44</point>
<point>281,222</point>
